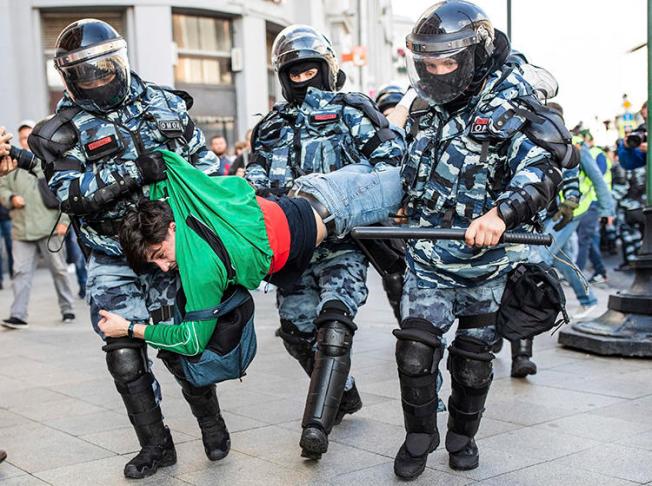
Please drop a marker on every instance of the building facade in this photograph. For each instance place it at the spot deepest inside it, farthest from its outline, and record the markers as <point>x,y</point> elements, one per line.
<point>218,50</point>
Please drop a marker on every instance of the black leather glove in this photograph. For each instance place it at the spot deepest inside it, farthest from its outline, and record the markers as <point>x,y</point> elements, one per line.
<point>152,167</point>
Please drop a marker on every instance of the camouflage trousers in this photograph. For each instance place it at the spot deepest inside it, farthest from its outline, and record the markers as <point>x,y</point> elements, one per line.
<point>112,285</point>
<point>338,275</point>
<point>441,306</point>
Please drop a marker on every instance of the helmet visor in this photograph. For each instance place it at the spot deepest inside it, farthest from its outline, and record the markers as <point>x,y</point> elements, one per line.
<point>102,81</point>
<point>441,77</point>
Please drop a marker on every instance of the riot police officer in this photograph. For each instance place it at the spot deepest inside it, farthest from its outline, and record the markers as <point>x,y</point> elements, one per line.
<point>320,130</point>
<point>477,161</point>
<point>99,155</point>
<point>388,97</point>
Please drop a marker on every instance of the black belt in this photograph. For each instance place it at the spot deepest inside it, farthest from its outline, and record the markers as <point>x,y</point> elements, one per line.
<point>109,227</point>
<point>320,209</point>
<point>480,320</point>
<point>163,314</point>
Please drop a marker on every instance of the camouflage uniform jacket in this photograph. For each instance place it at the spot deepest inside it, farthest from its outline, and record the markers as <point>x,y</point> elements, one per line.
<point>457,168</point>
<point>322,135</point>
<point>108,144</point>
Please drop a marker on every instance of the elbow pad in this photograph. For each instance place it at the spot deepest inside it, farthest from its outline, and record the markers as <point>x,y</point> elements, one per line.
<point>77,204</point>
<point>523,204</point>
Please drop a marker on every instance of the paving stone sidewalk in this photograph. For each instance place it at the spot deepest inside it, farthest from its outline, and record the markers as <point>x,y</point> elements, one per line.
<point>582,420</point>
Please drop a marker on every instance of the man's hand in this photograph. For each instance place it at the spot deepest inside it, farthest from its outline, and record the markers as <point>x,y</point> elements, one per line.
<point>112,325</point>
<point>565,213</point>
<point>485,230</point>
<point>152,167</point>
<point>60,229</point>
<point>643,147</point>
<point>4,142</point>
<point>17,202</point>
<point>7,165</point>
<point>401,216</point>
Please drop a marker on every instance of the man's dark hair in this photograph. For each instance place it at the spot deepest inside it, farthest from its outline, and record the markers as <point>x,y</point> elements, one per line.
<point>142,227</point>
<point>555,106</point>
<point>214,137</point>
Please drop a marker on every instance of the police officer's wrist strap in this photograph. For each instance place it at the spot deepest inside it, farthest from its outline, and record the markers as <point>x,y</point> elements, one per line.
<point>130,330</point>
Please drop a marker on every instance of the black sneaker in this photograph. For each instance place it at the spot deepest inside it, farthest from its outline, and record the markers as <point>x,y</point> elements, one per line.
<point>3,455</point>
<point>68,317</point>
<point>14,323</point>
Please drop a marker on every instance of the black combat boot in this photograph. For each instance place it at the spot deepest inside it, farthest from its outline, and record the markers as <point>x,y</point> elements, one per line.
<point>214,434</point>
<point>522,365</point>
<point>156,452</point>
<point>350,403</point>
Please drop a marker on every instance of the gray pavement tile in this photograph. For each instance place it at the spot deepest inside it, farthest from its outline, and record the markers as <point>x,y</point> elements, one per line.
<point>22,481</point>
<point>35,447</point>
<point>614,460</point>
<point>384,474</point>
<point>106,420</point>
<point>523,413</point>
<point>492,463</point>
<point>642,441</point>
<point>68,407</point>
<point>26,397</point>
<point>10,419</point>
<point>637,411</point>
<point>368,435</point>
<point>241,470</point>
<point>596,427</point>
<point>388,411</point>
<point>281,447</point>
<point>99,391</point>
<point>8,470</point>
<point>537,443</point>
<point>272,411</point>
<point>388,388</point>
<point>123,440</point>
<point>596,366</point>
<point>103,472</point>
<point>549,473</point>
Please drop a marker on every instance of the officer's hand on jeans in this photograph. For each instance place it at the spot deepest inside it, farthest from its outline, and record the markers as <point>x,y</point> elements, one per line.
<point>565,213</point>
<point>112,325</point>
<point>17,202</point>
<point>643,147</point>
<point>152,167</point>
<point>485,230</point>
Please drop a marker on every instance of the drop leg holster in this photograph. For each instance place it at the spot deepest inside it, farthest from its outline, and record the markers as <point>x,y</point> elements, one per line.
<point>418,352</point>
<point>331,367</point>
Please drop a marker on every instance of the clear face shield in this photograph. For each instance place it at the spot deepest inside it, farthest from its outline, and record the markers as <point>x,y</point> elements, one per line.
<point>101,82</point>
<point>441,77</point>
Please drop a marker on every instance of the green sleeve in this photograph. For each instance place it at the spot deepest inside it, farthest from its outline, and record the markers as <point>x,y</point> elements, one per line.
<point>189,338</point>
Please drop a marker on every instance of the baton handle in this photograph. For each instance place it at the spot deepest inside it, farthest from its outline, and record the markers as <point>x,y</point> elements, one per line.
<point>416,233</point>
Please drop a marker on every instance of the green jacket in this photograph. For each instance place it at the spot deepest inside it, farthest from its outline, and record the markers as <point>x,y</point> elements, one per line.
<point>234,250</point>
<point>34,221</point>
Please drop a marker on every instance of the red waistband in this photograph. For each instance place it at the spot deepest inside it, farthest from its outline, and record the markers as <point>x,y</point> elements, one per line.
<point>278,233</point>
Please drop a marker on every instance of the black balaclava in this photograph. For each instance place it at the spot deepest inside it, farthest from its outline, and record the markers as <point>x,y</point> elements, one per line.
<point>297,91</point>
<point>485,66</point>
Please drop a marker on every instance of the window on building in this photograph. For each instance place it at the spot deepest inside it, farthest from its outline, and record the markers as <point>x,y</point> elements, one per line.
<point>203,49</point>
<point>272,80</point>
<point>52,23</point>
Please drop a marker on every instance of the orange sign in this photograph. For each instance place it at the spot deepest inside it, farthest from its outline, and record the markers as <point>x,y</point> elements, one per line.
<point>358,56</point>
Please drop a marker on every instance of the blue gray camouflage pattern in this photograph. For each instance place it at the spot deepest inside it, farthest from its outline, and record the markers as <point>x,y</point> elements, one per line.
<point>441,306</point>
<point>332,275</point>
<point>138,126</point>
<point>332,135</point>
<point>447,183</point>
<point>329,136</point>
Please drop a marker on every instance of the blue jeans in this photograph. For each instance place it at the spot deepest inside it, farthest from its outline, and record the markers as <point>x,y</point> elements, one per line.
<point>553,256</point>
<point>586,231</point>
<point>595,256</point>
<point>356,195</point>
<point>5,234</point>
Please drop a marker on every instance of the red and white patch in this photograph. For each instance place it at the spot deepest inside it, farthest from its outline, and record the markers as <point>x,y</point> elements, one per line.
<point>480,125</point>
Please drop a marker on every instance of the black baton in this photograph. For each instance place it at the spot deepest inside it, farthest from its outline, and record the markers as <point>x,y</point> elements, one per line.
<point>415,233</point>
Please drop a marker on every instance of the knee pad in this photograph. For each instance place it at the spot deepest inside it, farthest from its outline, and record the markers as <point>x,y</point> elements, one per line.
<point>469,362</point>
<point>296,340</point>
<point>418,347</point>
<point>126,360</point>
<point>335,329</point>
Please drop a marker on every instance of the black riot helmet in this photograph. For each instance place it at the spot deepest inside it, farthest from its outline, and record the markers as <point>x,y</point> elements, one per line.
<point>388,97</point>
<point>449,48</point>
<point>301,47</point>
<point>92,60</point>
